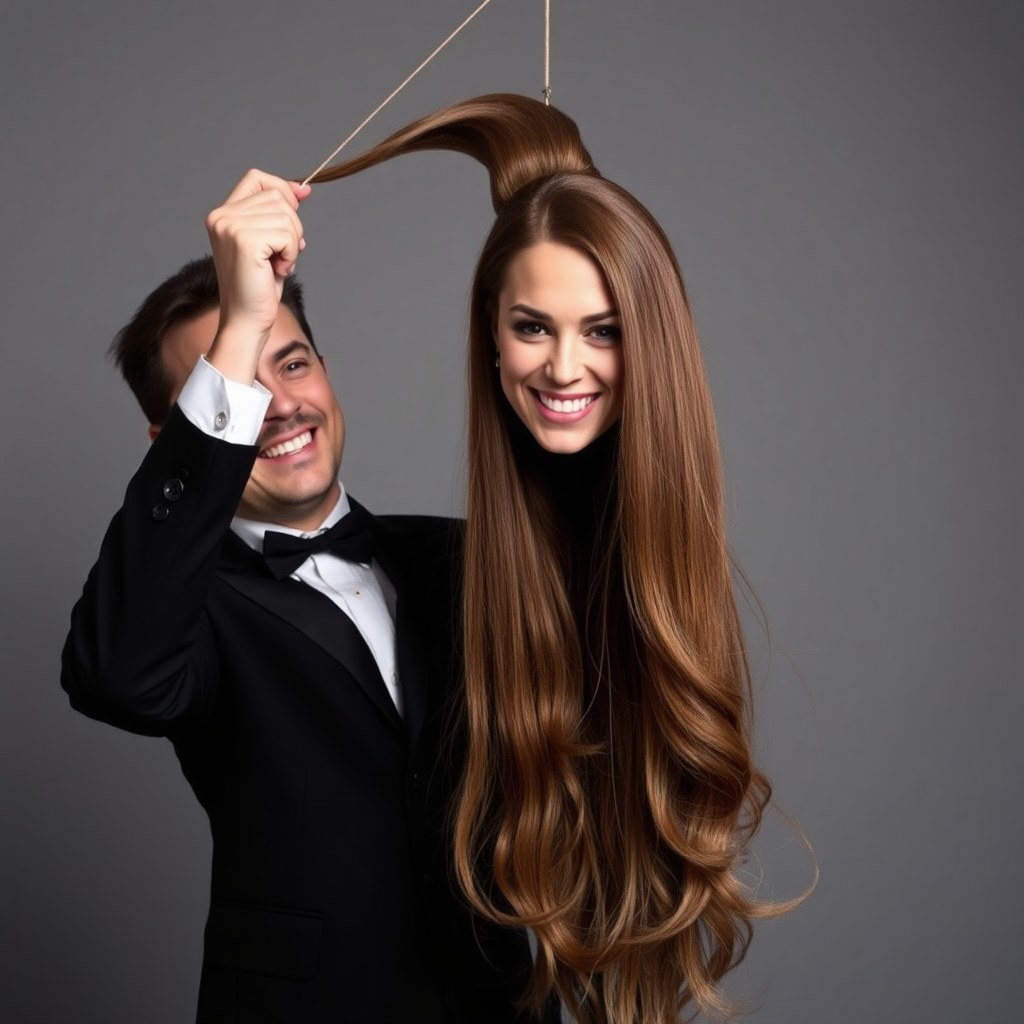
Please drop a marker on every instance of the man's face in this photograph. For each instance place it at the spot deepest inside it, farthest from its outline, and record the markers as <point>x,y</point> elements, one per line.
<point>295,479</point>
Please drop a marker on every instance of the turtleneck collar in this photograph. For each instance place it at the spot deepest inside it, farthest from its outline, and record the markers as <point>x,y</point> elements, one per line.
<point>579,484</point>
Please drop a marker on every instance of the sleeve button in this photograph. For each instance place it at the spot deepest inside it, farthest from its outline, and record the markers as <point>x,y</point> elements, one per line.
<point>173,489</point>
<point>160,512</point>
<point>220,421</point>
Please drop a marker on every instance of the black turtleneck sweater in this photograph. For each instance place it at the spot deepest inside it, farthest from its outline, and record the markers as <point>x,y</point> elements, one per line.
<point>580,489</point>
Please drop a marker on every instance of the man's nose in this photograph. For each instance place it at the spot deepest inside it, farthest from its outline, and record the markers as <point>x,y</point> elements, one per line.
<point>282,402</point>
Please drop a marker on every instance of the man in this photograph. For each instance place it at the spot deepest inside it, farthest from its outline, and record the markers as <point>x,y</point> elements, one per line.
<point>304,693</point>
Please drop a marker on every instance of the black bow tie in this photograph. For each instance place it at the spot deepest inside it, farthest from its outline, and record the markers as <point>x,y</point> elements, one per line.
<point>351,538</point>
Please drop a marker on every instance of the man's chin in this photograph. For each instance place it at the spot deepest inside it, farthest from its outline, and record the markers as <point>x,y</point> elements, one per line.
<point>285,505</point>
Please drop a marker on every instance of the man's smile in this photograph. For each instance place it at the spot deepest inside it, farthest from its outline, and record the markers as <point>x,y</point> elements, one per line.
<point>293,444</point>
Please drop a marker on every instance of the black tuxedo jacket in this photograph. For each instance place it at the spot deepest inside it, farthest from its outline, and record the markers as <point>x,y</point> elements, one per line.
<point>331,897</point>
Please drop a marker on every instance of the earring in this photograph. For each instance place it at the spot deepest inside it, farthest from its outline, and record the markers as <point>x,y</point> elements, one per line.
<point>497,359</point>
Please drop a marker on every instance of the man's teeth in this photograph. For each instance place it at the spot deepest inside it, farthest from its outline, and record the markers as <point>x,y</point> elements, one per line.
<point>572,405</point>
<point>287,447</point>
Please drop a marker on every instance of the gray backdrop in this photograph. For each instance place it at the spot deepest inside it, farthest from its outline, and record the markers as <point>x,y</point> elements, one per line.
<point>841,181</point>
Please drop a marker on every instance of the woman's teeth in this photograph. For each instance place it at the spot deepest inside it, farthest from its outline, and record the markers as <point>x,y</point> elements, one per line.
<point>570,405</point>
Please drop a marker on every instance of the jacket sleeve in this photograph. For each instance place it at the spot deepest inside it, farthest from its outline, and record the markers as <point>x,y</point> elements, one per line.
<point>140,653</point>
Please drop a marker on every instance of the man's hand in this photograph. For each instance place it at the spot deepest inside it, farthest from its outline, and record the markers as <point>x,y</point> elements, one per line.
<point>256,236</point>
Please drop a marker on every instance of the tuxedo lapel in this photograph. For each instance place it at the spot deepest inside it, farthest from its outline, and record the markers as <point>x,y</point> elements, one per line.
<point>313,614</point>
<point>410,670</point>
<point>408,639</point>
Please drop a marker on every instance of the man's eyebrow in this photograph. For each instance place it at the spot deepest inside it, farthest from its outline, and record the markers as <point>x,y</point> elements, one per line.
<point>290,348</point>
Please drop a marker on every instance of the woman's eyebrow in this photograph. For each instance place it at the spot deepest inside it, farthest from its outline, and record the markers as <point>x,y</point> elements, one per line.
<point>538,314</point>
<point>529,311</point>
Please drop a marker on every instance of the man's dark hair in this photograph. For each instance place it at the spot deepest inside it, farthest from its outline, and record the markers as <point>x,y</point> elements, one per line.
<point>185,295</point>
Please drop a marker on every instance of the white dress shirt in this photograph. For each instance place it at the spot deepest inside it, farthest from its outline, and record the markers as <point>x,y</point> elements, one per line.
<point>234,412</point>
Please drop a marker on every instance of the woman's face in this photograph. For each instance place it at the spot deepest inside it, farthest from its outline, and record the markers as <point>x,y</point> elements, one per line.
<point>559,342</point>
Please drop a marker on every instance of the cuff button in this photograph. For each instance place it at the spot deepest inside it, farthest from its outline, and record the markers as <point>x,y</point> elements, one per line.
<point>173,489</point>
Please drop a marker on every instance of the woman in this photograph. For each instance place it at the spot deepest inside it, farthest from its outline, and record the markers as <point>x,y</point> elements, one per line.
<point>609,790</point>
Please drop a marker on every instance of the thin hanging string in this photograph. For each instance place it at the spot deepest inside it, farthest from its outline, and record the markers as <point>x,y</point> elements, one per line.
<point>382,105</point>
<point>547,53</point>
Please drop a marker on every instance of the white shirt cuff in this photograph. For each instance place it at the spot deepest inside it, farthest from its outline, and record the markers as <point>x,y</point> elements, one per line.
<point>223,408</point>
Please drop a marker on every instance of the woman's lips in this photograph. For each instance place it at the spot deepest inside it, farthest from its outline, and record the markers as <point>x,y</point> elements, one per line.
<point>563,408</point>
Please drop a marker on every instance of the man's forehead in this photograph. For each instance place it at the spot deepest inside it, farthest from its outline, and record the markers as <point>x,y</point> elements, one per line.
<point>287,328</point>
<point>188,339</point>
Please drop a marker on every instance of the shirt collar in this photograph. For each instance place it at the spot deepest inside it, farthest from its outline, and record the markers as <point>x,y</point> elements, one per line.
<point>251,530</point>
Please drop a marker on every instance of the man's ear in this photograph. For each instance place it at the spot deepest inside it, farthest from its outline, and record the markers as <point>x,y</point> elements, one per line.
<point>154,429</point>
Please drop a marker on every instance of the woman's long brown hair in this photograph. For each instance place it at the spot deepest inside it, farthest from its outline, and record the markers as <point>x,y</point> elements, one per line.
<point>609,789</point>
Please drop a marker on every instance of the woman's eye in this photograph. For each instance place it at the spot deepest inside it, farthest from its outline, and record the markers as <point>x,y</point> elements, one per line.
<point>530,328</point>
<point>608,333</point>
